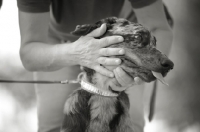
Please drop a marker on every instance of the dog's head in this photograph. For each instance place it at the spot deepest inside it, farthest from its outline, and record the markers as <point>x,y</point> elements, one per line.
<point>141,56</point>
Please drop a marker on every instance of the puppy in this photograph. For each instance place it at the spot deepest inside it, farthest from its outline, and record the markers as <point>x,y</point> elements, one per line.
<point>96,107</point>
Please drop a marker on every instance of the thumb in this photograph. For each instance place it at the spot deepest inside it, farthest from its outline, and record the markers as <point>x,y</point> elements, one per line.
<point>122,77</point>
<point>98,32</point>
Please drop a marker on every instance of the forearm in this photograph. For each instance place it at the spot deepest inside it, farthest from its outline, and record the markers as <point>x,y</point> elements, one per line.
<point>86,51</point>
<point>38,56</point>
<point>35,51</point>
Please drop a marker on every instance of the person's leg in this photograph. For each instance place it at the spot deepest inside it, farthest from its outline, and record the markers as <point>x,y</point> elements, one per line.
<point>136,107</point>
<point>51,97</point>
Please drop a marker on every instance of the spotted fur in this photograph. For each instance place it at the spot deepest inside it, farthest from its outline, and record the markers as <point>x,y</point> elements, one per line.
<point>87,112</point>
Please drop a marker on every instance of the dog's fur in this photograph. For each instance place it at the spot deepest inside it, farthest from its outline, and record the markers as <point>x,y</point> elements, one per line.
<point>88,112</point>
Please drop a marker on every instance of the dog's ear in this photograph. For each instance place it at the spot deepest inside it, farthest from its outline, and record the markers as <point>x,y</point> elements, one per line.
<point>89,73</point>
<point>82,30</point>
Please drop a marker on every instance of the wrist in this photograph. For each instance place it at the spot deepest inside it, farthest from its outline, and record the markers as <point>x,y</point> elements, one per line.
<point>66,54</point>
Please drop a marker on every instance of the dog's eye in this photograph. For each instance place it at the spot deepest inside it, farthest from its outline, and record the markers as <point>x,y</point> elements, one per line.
<point>137,38</point>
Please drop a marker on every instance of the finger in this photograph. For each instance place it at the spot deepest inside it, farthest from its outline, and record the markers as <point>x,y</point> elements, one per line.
<point>107,41</point>
<point>138,81</point>
<point>108,61</point>
<point>98,32</point>
<point>119,89</point>
<point>116,86</point>
<point>103,71</point>
<point>111,51</point>
<point>122,77</point>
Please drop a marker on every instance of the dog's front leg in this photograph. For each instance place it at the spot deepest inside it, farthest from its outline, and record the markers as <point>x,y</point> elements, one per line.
<point>102,111</point>
<point>77,112</point>
<point>125,123</point>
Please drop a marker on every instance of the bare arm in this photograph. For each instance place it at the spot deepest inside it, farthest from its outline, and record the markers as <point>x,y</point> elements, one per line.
<point>153,17</point>
<point>38,55</point>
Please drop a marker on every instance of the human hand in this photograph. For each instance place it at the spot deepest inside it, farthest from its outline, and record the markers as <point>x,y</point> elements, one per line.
<point>92,53</point>
<point>124,80</point>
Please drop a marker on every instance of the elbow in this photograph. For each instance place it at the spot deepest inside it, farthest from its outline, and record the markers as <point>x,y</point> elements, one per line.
<point>26,61</point>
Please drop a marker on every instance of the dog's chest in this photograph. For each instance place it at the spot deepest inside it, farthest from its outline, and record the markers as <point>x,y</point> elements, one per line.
<point>93,112</point>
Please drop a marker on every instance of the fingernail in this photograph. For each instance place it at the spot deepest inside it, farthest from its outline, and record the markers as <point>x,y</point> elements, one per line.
<point>121,39</point>
<point>121,51</point>
<point>118,61</point>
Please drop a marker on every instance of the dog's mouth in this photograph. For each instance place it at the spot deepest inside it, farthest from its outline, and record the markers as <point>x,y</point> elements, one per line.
<point>145,74</point>
<point>149,76</point>
<point>160,77</point>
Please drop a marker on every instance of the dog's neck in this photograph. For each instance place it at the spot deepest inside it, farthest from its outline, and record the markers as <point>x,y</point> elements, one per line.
<point>101,83</point>
<point>96,90</point>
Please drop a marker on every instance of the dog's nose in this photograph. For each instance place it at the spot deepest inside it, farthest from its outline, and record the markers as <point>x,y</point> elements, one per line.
<point>166,63</point>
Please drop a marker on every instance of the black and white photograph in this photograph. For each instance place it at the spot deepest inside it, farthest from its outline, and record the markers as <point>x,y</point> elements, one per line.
<point>99,66</point>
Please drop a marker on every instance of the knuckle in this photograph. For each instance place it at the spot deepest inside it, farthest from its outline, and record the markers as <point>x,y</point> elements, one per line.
<point>102,61</point>
<point>106,40</point>
<point>101,51</point>
<point>96,68</point>
<point>97,42</point>
<point>91,42</point>
<point>113,51</point>
<point>106,52</point>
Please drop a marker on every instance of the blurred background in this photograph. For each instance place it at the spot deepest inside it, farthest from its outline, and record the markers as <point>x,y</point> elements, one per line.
<point>17,101</point>
<point>177,107</point>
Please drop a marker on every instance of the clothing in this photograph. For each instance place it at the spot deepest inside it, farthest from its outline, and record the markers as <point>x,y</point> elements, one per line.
<point>66,14</point>
<point>51,98</point>
<point>43,5</point>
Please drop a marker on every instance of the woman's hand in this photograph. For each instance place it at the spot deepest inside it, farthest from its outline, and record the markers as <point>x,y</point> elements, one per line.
<point>92,53</point>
